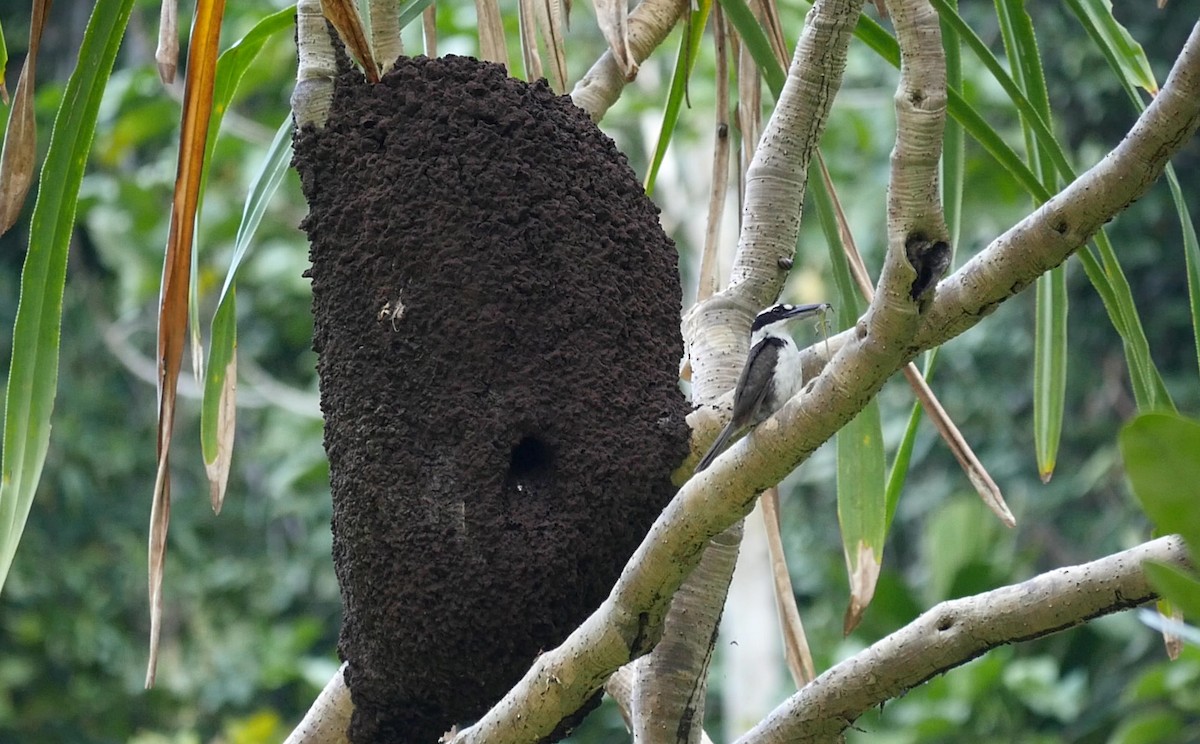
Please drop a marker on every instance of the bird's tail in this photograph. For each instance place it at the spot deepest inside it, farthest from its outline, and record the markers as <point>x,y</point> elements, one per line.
<point>717,448</point>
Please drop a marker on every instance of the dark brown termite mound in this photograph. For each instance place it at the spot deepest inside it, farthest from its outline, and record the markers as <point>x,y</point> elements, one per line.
<point>497,322</point>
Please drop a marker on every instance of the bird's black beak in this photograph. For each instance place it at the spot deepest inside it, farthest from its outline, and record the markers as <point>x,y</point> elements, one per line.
<point>807,311</point>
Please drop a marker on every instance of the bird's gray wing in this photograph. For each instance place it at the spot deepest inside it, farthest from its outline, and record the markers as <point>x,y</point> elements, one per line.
<point>756,382</point>
<point>753,387</point>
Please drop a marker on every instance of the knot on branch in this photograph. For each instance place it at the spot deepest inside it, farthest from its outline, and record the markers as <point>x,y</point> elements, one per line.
<point>929,259</point>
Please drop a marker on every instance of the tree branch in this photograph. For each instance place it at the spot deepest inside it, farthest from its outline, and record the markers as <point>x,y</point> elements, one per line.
<point>628,621</point>
<point>672,679</point>
<point>649,24</point>
<point>716,331</point>
<point>1064,224</point>
<point>328,720</point>
<point>954,632</point>
<point>315,67</point>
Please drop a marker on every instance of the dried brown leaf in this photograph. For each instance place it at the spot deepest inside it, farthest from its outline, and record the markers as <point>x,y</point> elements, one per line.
<point>160,518</point>
<point>344,16</point>
<point>550,23</point>
<point>767,12</point>
<point>980,479</point>
<point>864,574</point>
<point>173,302</point>
<point>429,27</point>
<point>18,159</point>
<point>527,22</point>
<point>710,279</point>
<point>1172,643</point>
<point>612,16</point>
<point>749,112</point>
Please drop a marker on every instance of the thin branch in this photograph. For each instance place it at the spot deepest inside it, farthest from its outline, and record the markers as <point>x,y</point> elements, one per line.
<point>954,632</point>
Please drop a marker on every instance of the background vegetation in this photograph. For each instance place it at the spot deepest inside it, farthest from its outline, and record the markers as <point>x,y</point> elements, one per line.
<point>252,610</point>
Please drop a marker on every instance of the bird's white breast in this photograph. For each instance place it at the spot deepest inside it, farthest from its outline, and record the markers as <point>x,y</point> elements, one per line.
<point>789,374</point>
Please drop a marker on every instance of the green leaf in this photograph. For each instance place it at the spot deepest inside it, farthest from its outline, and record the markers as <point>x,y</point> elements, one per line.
<point>903,459</point>
<point>224,328</point>
<point>689,49</point>
<point>1128,61</point>
<point>1100,263</point>
<point>232,66</point>
<point>412,10</point>
<point>1050,333</point>
<point>863,511</point>
<point>3,62</point>
<point>1119,47</point>
<point>33,377</point>
<point>1191,253</point>
<point>1050,368</point>
<point>1181,588</point>
<point>1153,726</point>
<point>1161,459</point>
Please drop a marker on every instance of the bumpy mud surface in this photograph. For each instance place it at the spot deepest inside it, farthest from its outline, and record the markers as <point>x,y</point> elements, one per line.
<point>497,319</point>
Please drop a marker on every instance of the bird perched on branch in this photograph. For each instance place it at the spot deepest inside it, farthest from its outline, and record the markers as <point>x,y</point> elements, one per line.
<point>772,373</point>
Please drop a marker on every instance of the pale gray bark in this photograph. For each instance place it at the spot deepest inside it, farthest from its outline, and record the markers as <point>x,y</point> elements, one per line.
<point>328,720</point>
<point>316,67</point>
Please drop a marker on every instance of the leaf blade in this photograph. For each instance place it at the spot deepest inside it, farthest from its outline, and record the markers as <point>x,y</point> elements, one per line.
<point>217,412</point>
<point>689,49</point>
<point>33,374</point>
<point>18,159</point>
<point>1159,450</point>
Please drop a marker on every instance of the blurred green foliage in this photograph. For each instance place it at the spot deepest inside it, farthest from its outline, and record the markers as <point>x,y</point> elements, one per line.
<point>251,606</point>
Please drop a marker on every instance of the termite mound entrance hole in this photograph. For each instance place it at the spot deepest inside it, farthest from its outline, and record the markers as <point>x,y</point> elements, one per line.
<point>531,457</point>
